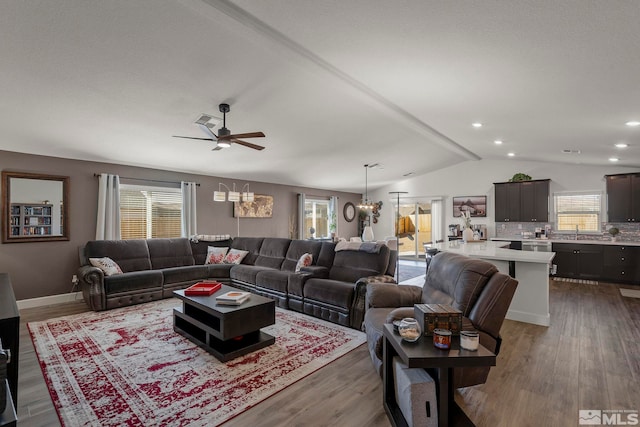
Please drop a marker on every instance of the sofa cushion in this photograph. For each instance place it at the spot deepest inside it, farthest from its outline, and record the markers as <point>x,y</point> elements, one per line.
<point>187,273</point>
<point>304,261</point>
<point>456,280</point>
<point>166,253</point>
<point>200,248</point>
<point>249,244</point>
<point>296,249</point>
<point>349,266</point>
<point>333,292</point>
<point>219,271</point>
<point>274,279</point>
<point>133,281</point>
<point>272,252</point>
<point>216,255</point>
<point>108,266</point>
<point>131,255</point>
<point>327,253</point>
<point>235,256</point>
<point>247,273</point>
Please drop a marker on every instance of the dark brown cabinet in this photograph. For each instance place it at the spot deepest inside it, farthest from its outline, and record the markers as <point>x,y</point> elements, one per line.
<point>578,261</point>
<point>526,201</point>
<point>623,197</point>
<point>621,263</point>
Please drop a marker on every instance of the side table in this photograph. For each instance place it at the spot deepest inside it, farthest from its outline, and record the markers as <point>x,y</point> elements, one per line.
<point>423,354</point>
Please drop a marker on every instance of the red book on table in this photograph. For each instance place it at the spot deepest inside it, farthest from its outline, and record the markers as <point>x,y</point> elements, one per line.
<point>203,288</point>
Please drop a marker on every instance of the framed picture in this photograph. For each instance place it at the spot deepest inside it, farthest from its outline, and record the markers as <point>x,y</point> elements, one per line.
<point>261,207</point>
<point>475,205</point>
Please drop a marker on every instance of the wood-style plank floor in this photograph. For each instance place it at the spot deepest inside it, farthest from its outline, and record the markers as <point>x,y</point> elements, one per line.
<point>589,358</point>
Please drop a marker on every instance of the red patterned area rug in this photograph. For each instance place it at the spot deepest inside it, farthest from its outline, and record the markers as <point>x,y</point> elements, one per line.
<point>128,367</point>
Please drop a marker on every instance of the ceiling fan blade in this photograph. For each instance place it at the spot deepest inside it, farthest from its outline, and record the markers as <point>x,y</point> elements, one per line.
<point>206,128</point>
<point>248,144</point>
<point>193,137</point>
<point>243,135</point>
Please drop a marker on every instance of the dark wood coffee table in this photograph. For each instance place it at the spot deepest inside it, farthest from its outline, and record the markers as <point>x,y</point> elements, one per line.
<point>423,354</point>
<point>226,331</point>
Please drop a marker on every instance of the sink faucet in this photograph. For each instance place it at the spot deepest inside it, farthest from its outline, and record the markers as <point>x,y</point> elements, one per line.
<point>576,231</point>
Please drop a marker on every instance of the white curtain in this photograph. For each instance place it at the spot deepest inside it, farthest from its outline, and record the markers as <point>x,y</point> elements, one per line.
<point>108,223</point>
<point>437,223</point>
<point>333,212</point>
<point>188,216</point>
<point>301,202</point>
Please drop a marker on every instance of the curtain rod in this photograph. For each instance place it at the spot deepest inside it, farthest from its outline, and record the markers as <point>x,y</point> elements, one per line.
<point>147,180</point>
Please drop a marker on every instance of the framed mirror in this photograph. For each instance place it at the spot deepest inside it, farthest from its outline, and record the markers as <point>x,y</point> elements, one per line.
<point>35,207</point>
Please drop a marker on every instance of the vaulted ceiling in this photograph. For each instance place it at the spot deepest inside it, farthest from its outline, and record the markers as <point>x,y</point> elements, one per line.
<point>332,84</point>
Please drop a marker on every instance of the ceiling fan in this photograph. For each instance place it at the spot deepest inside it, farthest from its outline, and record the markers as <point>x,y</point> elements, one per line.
<point>224,138</point>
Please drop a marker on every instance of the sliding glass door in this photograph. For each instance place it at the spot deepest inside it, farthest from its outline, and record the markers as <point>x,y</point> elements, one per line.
<point>418,223</point>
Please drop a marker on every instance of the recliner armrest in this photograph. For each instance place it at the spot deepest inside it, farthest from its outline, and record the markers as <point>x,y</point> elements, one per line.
<point>317,271</point>
<point>392,295</point>
<point>91,281</point>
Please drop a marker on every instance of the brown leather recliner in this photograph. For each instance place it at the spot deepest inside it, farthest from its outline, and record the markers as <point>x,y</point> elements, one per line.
<point>470,285</point>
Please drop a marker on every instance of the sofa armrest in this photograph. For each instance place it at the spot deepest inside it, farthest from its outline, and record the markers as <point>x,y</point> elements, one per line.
<point>392,295</point>
<point>91,281</point>
<point>317,271</point>
<point>359,307</point>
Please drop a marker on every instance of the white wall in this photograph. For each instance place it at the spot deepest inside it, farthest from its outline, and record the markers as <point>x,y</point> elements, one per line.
<point>476,178</point>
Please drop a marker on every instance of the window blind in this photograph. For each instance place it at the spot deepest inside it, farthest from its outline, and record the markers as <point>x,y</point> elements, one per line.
<point>149,212</point>
<point>578,209</point>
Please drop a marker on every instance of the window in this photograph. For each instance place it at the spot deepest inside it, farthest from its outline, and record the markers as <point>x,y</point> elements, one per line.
<point>147,212</point>
<point>316,216</point>
<point>582,210</point>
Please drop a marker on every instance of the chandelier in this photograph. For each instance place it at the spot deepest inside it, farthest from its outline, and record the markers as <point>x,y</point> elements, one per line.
<point>366,203</point>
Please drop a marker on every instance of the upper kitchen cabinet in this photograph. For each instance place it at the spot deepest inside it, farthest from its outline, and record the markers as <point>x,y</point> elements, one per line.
<point>623,197</point>
<point>526,201</point>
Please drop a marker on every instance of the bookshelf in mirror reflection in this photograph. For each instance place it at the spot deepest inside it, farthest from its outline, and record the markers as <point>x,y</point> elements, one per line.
<point>30,219</point>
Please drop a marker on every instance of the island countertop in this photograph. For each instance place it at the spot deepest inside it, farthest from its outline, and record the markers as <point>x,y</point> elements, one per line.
<point>494,250</point>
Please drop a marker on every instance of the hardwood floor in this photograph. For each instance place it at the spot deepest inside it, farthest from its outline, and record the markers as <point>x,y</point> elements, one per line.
<point>589,358</point>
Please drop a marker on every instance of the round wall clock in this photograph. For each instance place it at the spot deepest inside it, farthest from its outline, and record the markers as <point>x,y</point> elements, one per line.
<point>349,211</point>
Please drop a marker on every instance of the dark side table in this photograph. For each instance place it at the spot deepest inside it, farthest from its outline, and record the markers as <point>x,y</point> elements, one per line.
<point>423,354</point>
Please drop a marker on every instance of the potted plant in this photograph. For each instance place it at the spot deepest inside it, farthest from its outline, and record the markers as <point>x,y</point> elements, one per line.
<point>614,231</point>
<point>333,225</point>
<point>467,233</point>
<point>519,177</point>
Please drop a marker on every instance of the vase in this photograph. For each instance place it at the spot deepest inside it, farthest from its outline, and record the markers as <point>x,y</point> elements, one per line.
<point>467,234</point>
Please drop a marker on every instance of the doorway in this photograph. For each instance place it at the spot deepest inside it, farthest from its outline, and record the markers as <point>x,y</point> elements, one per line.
<point>414,229</point>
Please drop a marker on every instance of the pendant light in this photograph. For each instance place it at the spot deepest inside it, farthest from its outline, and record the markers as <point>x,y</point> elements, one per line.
<point>366,203</point>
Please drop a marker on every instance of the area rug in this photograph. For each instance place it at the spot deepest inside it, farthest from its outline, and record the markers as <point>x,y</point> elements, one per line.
<point>128,367</point>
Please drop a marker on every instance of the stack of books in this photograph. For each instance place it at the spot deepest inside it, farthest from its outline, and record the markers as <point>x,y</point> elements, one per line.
<point>232,298</point>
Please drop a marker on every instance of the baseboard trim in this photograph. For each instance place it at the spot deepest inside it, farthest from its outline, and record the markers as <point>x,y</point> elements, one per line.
<point>49,300</point>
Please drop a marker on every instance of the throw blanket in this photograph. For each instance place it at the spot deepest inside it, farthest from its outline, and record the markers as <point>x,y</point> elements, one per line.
<point>209,237</point>
<point>368,247</point>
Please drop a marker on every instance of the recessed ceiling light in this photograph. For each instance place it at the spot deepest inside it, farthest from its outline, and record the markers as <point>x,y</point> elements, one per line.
<point>497,142</point>
<point>621,145</point>
<point>511,154</point>
<point>476,125</point>
<point>633,123</point>
<point>613,159</point>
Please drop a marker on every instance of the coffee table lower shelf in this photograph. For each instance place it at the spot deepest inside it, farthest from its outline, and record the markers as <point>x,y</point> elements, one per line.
<point>223,350</point>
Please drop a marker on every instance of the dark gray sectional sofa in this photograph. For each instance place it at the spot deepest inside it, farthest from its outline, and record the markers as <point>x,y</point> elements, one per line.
<point>154,268</point>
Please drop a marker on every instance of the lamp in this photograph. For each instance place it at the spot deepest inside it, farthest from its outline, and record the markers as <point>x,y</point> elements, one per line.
<point>232,195</point>
<point>366,203</point>
<point>398,193</point>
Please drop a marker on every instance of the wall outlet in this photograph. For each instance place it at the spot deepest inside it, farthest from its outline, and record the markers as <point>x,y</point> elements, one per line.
<point>74,279</point>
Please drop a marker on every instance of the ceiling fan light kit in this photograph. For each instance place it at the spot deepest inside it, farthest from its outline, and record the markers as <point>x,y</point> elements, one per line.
<point>224,138</point>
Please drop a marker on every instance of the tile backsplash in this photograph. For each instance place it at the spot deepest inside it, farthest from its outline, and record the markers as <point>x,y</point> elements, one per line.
<point>628,232</point>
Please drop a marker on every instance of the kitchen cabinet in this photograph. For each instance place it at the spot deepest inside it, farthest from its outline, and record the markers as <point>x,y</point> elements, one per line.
<point>578,261</point>
<point>621,263</point>
<point>623,197</point>
<point>526,201</point>
<point>534,201</point>
<point>507,201</point>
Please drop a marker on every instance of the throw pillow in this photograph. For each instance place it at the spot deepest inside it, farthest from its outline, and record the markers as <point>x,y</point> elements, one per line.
<point>107,265</point>
<point>304,261</point>
<point>215,255</point>
<point>235,256</point>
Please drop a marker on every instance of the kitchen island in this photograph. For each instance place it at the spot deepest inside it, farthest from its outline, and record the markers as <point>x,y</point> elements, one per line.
<point>530,303</point>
